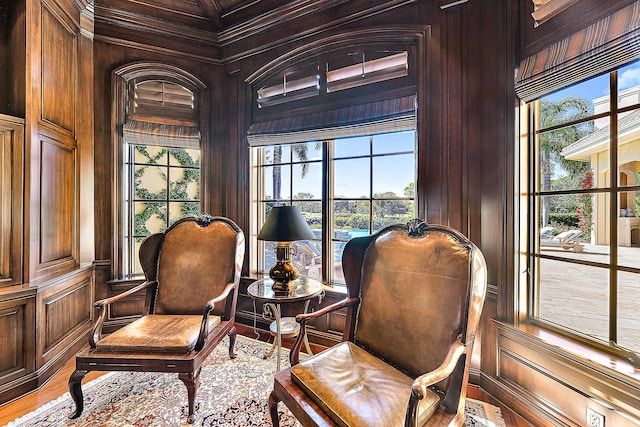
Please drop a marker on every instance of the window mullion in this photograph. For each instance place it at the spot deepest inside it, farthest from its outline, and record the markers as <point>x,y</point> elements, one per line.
<point>370,183</point>
<point>131,204</point>
<point>613,207</point>
<point>327,209</point>
<point>168,187</point>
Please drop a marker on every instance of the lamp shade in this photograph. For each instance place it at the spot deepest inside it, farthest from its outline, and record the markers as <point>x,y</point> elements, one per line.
<point>285,224</point>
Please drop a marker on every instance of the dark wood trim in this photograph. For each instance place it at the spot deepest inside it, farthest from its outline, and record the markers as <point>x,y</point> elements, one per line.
<point>175,52</point>
<point>197,31</point>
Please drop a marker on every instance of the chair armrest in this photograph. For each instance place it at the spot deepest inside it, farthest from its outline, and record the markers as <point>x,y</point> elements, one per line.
<point>420,384</point>
<point>305,317</point>
<point>204,325</point>
<point>102,304</point>
<point>294,355</point>
<point>110,300</point>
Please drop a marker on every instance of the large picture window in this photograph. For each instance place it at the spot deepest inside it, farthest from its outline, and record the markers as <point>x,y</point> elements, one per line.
<point>345,187</point>
<point>584,209</point>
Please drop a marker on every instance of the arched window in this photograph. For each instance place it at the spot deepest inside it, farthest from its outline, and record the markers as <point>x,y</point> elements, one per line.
<point>159,157</point>
<point>334,133</point>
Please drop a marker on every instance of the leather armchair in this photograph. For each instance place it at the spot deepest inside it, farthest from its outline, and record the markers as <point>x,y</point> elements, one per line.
<point>414,297</point>
<point>192,272</point>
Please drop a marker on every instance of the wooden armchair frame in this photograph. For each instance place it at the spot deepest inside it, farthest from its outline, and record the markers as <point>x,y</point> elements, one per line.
<point>187,364</point>
<point>450,376</point>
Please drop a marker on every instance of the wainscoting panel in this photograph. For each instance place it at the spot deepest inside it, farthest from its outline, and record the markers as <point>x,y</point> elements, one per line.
<point>562,385</point>
<point>65,315</point>
<point>12,322</point>
<point>17,339</point>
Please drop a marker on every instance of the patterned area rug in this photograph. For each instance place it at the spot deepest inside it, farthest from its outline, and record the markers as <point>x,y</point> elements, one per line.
<point>232,393</point>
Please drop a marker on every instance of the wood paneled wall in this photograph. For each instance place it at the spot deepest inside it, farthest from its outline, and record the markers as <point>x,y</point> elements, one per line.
<point>62,89</point>
<point>47,276</point>
<point>465,123</point>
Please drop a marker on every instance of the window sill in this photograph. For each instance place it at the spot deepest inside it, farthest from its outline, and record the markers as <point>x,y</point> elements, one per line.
<point>553,343</point>
<point>544,373</point>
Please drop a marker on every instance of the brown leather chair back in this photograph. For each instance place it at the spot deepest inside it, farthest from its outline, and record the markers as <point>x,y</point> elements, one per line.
<point>415,288</point>
<point>195,263</point>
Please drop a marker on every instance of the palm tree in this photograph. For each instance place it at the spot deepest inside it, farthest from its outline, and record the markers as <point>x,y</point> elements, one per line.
<point>301,151</point>
<point>554,113</point>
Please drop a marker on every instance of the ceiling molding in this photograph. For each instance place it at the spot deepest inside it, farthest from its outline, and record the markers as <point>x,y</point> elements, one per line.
<point>274,17</point>
<point>213,12</point>
<point>156,49</point>
<point>144,23</point>
<point>347,19</point>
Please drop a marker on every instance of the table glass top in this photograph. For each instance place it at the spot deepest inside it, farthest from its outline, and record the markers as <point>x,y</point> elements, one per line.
<point>306,288</point>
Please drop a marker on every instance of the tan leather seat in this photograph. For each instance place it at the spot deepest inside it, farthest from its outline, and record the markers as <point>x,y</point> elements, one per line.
<point>157,333</point>
<point>369,393</point>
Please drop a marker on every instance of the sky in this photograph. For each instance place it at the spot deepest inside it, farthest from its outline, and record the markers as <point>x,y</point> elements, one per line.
<point>390,173</point>
<point>628,76</point>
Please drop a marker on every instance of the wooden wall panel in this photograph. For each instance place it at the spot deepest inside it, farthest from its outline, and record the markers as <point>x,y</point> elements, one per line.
<point>12,53</point>
<point>57,202</point>
<point>64,315</point>
<point>12,323</point>
<point>17,341</point>
<point>11,178</point>
<point>52,145</point>
<point>66,311</point>
<point>131,307</point>
<point>49,41</point>
<point>58,73</point>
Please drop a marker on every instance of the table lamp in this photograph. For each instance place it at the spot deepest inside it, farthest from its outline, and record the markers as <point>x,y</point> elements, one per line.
<point>284,224</point>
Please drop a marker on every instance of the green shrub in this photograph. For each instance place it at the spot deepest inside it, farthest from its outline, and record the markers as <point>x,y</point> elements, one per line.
<point>569,219</point>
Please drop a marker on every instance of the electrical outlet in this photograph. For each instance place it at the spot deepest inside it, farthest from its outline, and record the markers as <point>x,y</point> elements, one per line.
<point>594,419</point>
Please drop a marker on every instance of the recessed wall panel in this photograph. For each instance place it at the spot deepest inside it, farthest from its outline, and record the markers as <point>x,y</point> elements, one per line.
<point>11,325</point>
<point>58,73</point>
<point>57,201</point>
<point>11,147</point>
<point>67,311</point>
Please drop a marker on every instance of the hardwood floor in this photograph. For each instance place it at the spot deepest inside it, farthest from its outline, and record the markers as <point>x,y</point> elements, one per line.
<point>57,386</point>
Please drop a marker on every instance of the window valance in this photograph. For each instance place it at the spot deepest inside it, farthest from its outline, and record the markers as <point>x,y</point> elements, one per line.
<point>163,135</point>
<point>605,45</point>
<point>390,115</point>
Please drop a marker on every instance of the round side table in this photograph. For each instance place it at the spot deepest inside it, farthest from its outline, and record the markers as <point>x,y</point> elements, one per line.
<point>306,289</point>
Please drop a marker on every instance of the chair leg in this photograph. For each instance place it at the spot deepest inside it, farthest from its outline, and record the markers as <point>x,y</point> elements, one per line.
<point>273,409</point>
<point>232,342</point>
<point>75,390</point>
<point>191,380</point>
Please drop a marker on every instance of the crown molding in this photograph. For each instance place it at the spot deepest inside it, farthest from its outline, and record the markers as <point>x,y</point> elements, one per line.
<point>116,17</point>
